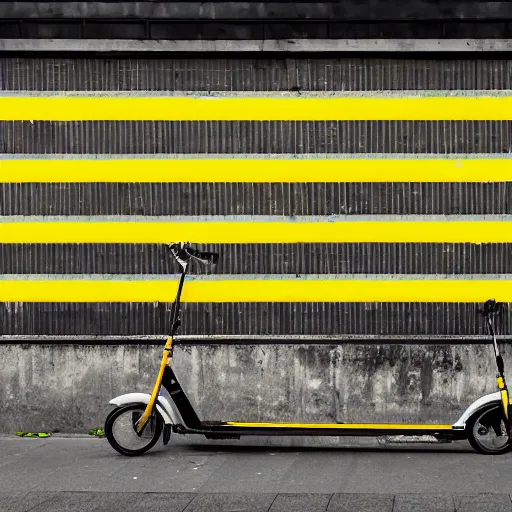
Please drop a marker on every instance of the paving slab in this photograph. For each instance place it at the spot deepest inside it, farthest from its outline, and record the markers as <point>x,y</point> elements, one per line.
<point>19,501</point>
<point>483,503</point>
<point>423,503</point>
<point>165,502</point>
<point>361,503</point>
<point>66,502</point>
<point>72,502</point>
<point>231,502</point>
<point>301,503</point>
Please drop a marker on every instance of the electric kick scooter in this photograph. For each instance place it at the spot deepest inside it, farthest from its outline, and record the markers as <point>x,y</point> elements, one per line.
<point>138,420</point>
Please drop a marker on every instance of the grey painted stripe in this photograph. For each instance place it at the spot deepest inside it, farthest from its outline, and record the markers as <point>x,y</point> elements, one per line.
<point>234,339</point>
<point>258,218</point>
<point>334,258</point>
<point>404,93</point>
<point>258,46</point>
<point>252,277</point>
<point>275,199</point>
<point>258,137</point>
<point>75,337</point>
<point>338,319</point>
<point>255,156</point>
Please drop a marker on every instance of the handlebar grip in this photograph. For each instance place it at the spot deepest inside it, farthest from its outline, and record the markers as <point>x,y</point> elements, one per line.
<point>491,307</point>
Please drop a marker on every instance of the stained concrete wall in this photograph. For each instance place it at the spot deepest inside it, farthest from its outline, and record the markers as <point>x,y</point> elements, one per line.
<point>67,387</point>
<point>255,20</point>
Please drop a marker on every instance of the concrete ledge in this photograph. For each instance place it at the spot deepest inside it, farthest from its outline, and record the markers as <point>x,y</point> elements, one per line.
<point>257,46</point>
<point>253,339</point>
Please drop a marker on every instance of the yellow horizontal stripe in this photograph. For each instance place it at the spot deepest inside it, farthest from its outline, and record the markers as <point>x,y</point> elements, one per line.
<point>358,426</point>
<point>261,290</point>
<point>415,108</point>
<point>255,170</point>
<point>255,232</point>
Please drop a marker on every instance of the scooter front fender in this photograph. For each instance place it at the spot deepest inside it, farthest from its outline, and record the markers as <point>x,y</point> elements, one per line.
<point>162,405</point>
<point>474,407</point>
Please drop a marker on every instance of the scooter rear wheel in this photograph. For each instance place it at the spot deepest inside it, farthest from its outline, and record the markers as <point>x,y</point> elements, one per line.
<point>121,432</point>
<point>483,429</point>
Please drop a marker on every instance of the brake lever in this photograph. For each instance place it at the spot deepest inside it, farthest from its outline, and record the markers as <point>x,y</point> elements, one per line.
<point>207,257</point>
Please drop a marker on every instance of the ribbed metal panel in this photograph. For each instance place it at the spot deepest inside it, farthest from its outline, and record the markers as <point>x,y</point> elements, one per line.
<point>244,318</point>
<point>285,199</point>
<point>255,74</point>
<point>301,259</point>
<point>191,137</point>
<point>252,74</point>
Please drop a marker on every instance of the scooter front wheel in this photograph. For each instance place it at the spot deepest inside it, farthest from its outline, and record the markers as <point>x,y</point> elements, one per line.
<point>487,431</point>
<point>121,431</point>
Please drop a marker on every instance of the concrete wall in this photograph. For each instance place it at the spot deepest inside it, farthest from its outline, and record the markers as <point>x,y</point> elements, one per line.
<point>255,20</point>
<point>67,387</point>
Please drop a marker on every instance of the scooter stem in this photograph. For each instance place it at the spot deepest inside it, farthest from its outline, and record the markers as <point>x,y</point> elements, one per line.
<point>500,377</point>
<point>166,357</point>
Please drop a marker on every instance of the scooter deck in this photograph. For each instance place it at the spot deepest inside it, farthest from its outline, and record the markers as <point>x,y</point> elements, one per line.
<point>378,426</point>
<point>326,429</point>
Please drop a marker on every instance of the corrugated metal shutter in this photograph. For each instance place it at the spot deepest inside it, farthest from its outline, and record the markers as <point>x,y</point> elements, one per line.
<point>372,279</point>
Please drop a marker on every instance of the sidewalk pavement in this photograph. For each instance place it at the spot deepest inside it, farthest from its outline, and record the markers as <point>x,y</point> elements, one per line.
<point>82,474</point>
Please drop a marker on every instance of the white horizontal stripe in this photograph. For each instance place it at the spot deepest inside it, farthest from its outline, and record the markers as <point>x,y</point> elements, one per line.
<point>257,156</point>
<point>393,94</point>
<point>6,219</point>
<point>259,277</point>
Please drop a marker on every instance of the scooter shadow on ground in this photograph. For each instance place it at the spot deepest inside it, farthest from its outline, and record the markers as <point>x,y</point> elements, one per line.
<point>191,446</point>
<point>409,448</point>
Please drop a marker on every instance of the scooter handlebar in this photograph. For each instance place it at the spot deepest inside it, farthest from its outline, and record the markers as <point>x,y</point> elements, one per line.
<point>183,253</point>
<point>491,307</point>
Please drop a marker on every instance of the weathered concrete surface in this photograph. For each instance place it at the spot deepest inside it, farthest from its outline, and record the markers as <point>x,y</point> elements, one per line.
<point>349,10</point>
<point>67,387</point>
<point>256,46</point>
